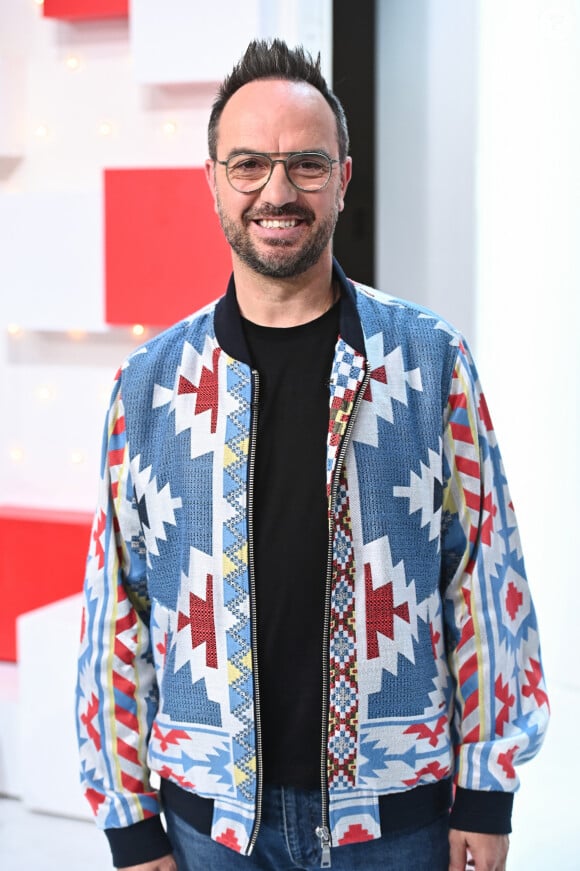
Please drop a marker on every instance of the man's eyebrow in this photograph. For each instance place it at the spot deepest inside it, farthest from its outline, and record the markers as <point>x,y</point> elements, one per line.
<point>235,152</point>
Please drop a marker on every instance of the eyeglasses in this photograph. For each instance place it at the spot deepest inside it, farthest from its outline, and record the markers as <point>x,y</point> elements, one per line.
<point>307,170</point>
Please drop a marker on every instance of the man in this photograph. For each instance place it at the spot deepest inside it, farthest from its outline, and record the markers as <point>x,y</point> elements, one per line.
<point>306,608</point>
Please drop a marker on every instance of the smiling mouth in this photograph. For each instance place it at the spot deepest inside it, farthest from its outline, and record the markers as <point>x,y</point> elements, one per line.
<point>278,223</point>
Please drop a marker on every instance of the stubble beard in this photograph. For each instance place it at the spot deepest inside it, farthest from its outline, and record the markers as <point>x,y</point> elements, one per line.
<point>279,262</point>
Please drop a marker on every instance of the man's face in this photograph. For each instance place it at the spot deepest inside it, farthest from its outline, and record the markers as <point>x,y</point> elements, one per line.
<point>277,117</point>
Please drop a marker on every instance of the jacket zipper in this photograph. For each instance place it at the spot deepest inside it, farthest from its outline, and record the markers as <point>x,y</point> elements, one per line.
<point>323,831</point>
<point>253,608</point>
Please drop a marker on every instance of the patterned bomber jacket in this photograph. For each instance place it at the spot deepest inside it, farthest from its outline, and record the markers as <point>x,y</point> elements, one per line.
<point>433,663</point>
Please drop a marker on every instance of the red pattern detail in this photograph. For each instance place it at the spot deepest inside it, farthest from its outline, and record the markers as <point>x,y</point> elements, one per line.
<point>422,730</point>
<point>116,456</point>
<point>457,400</point>
<point>355,834</point>
<point>381,612</point>
<point>127,751</point>
<point>502,692</point>
<point>229,839</point>
<point>461,432</point>
<point>513,600</point>
<point>468,668</point>
<point>534,677</point>
<point>95,799</point>
<point>87,721</point>
<point>168,774</point>
<point>162,647</point>
<point>506,760</point>
<point>206,391</point>
<point>343,714</point>
<point>489,509</point>
<point>434,768</point>
<point>435,638</point>
<point>467,467</point>
<point>127,718</point>
<point>378,374</point>
<point>171,737</point>
<point>201,623</point>
<point>132,783</point>
<point>99,529</point>
<point>484,414</point>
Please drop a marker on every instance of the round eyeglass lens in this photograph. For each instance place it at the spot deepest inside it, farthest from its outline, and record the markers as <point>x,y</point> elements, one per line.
<point>309,172</point>
<point>248,172</point>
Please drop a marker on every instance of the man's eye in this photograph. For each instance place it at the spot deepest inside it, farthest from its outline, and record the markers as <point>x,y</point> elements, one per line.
<point>248,166</point>
<point>310,166</point>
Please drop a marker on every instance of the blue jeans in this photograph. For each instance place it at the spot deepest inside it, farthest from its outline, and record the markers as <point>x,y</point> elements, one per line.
<point>287,842</point>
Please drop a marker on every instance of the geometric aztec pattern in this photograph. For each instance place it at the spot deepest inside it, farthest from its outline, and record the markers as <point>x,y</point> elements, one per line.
<point>343,713</point>
<point>235,581</point>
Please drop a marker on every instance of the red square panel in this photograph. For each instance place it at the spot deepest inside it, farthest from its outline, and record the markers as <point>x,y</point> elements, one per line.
<point>166,255</point>
<point>42,559</point>
<point>84,9</point>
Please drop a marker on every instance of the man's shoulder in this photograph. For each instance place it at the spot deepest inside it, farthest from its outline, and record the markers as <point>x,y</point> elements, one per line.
<point>168,343</point>
<point>381,310</point>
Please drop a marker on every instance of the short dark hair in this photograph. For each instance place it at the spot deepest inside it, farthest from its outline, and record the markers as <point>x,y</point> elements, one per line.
<point>273,59</point>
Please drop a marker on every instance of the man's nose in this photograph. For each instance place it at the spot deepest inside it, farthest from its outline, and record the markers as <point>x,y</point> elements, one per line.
<point>279,190</point>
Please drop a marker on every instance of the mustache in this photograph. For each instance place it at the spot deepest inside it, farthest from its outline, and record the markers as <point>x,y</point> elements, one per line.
<point>285,211</point>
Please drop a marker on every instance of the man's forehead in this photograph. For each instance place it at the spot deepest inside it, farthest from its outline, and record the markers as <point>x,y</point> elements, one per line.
<point>276,104</point>
<point>261,96</point>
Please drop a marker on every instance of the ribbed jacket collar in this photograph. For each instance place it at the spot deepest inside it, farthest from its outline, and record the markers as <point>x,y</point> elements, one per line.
<point>230,333</point>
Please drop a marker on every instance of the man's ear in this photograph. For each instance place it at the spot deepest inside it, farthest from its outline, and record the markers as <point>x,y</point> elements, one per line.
<point>210,176</point>
<point>345,177</point>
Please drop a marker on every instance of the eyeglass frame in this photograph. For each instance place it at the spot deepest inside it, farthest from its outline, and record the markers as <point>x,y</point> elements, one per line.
<point>273,162</point>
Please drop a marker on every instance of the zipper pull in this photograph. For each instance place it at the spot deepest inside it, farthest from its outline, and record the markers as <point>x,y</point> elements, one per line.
<point>324,835</point>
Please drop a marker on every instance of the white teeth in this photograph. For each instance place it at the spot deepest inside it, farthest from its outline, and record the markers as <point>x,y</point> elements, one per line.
<point>275,224</point>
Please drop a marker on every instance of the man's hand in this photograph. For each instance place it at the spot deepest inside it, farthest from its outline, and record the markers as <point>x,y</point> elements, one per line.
<point>482,852</point>
<point>166,863</point>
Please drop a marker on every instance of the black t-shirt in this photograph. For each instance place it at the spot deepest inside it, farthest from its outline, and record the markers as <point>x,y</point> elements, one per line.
<point>291,540</point>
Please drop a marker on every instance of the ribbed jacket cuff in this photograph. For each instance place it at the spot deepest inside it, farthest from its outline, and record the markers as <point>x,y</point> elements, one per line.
<point>139,843</point>
<point>489,813</point>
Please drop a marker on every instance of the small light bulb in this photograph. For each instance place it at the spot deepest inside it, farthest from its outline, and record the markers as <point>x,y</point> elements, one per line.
<point>14,330</point>
<point>77,457</point>
<point>76,335</point>
<point>16,454</point>
<point>105,128</point>
<point>73,62</point>
<point>138,330</point>
<point>44,393</point>
<point>41,132</point>
<point>39,2</point>
<point>170,128</point>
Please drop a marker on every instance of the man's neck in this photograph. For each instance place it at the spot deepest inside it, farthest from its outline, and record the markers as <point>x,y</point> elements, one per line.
<point>284,302</point>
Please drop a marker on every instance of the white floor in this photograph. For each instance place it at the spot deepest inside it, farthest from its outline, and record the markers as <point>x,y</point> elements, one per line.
<point>546,821</point>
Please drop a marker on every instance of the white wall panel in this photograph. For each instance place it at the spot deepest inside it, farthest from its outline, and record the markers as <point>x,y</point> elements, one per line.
<point>10,768</point>
<point>190,40</point>
<point>426,123</point>
<point>12,106</point>
<point>57,389</point>
<point>51,269</point>
<point>47,739</point>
